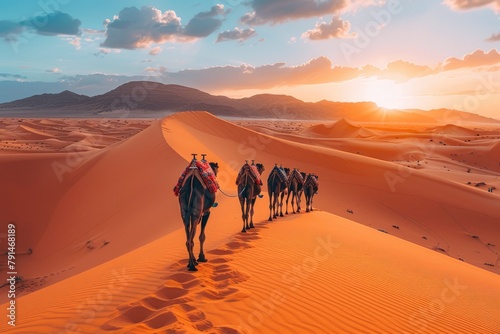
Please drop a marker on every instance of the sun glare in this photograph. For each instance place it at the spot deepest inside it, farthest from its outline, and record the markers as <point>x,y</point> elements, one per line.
<point>384,93</point>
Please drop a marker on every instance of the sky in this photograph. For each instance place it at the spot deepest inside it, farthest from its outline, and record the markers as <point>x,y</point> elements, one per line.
<point>424,54</point>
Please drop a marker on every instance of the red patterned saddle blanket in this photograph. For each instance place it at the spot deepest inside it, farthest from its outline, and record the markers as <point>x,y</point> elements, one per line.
<point>252,170</point>
<point>205,173</point>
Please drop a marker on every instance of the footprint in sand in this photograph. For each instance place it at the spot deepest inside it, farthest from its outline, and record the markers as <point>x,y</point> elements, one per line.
<point>170,309</point>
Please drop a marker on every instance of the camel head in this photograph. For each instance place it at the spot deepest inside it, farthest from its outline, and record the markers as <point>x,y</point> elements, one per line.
<point>260,168</point>
<point>215,167</point>
<point>287,171</point>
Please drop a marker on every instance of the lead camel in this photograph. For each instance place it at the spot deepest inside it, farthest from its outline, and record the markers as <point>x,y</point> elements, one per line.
<point>195,200</point>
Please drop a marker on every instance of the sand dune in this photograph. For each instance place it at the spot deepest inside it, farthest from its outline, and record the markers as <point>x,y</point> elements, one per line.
<point>340,129</point>
<point>391,248</point>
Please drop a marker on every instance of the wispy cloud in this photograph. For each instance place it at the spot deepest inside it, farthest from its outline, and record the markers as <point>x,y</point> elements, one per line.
<point>279,11</point>
<point>494,38</point>
<point>9,30</point>
<point>337,28</point>
<point>55,70</point>
<point>155,51</point>
<point>13,76</point>
<point>236,34</point>
<point>472,4</point>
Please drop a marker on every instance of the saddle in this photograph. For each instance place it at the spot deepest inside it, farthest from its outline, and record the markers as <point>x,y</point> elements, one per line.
<point>203,172</point>
<point>296,175</point>
<point>281,174</point>
<point>252,171</point>
<point>311,178</point>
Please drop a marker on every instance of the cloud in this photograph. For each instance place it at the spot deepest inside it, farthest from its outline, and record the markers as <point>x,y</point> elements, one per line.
<point>337,28</point>
<point>54,70</point>
<point>494,38</point>
<point>14,76</point>
<point>238,34</point>
<point>402,71</point>
<point>138,28</point>
<point>76,43</point>
<point>477,58</point>
<point>56,23</point>
<point>93,31</point>
<point>205,23</point>
<point>160,69</point>
<point>472,4</point>
<point>279,11</point>
<point>135,28</point>
<point>9,30</point>
<point>354,5</point>
<point>315,71</point>
<point>155,50</point>
<point>105,51</point>
<point>51,24</point>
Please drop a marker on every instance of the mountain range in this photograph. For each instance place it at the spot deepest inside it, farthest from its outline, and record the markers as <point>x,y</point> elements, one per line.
<point>150,99</point>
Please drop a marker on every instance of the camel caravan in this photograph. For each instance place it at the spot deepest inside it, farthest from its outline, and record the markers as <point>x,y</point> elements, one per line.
<point>197,187</point>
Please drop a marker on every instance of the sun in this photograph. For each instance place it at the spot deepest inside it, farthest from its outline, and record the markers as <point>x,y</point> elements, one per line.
<point>385,93</point>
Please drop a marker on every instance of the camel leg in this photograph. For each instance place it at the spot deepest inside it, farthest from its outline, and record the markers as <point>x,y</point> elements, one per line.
<point>281,203</point>
<point>191,232</point>
<point>247,212</point>
<point>270,206</point>
<point>251,212</point>
<point>275,205</point>
<point>243,216</point>
<point>293,204</point>
<point>204,219</point>
<point>312,196</point>
<point>299,194</point>
<point>287,198</point>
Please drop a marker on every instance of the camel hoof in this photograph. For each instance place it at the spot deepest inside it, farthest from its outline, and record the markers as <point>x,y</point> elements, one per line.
<point>251,226</point>
<point>293,212</point>
<point>243,231</point>
<point>215,205</point>
<point>202,259</point>
<point>270,219</point>
<point>260,196</point>
<point>307,210</point>
<point>192,269</point>
<point>281,215</point>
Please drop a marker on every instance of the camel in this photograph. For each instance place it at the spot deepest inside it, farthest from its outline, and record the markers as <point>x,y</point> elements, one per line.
<point>249,187</point>
<point>295,189</point>
<point>310,188</point>
<point>195,200</point>
<point>276,188</point>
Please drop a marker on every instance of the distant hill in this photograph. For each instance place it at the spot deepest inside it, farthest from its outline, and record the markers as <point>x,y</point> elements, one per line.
<point>47,101</point>
<point>151,99</point>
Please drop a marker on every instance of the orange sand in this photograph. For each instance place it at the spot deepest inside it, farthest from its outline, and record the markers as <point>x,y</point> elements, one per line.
<point>96,208</point>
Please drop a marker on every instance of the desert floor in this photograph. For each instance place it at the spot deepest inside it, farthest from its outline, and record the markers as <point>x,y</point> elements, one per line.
<point>404,236</point>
